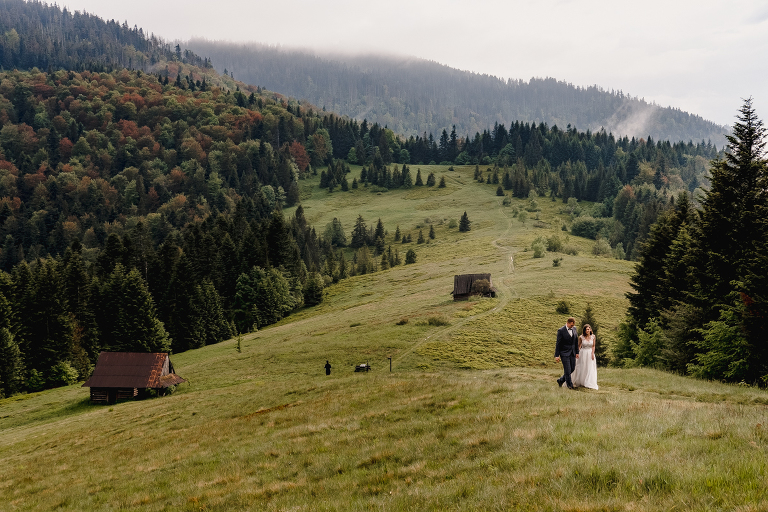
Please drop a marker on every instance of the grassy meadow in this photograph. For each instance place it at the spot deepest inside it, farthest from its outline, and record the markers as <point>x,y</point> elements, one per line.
<point>470,417</point>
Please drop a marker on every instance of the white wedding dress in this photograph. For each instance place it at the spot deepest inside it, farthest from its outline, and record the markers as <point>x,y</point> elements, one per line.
<point>585,374</point>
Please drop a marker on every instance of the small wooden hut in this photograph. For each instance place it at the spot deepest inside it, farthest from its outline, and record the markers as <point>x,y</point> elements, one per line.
<point>128,375</point>
<point>462,286</point>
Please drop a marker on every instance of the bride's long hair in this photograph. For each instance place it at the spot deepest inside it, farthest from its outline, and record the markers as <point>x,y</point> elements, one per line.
<point>584,330</point>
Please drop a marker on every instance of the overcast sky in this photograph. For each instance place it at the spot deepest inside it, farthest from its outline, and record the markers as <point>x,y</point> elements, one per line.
<point>701,56</point>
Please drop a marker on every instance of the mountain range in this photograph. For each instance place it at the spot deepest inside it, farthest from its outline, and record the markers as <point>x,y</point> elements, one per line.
<point>413,96</point>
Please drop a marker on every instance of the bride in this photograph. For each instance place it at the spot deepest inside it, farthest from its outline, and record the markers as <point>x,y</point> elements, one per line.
<point>585,374</point>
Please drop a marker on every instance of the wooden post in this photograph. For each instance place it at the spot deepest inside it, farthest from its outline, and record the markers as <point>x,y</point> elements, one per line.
<point>390,363</point>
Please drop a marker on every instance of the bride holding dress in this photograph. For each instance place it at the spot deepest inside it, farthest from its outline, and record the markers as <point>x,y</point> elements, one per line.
<point>585,374</point>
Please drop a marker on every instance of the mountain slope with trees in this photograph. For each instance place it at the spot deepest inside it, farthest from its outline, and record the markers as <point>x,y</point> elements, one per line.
<point>415,96</point>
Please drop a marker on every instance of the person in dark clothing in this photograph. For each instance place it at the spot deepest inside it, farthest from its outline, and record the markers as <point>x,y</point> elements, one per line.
<point>327,367</point>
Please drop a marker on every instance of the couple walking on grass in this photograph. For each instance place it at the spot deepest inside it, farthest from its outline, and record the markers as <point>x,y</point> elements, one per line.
<point>577,353</point>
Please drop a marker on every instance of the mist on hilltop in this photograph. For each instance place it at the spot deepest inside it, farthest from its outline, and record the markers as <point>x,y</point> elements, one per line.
<point>413,96</point>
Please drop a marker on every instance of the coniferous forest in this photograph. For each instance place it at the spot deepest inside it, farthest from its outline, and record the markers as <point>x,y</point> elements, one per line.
<point>413,96</point>
<point>141,206</point>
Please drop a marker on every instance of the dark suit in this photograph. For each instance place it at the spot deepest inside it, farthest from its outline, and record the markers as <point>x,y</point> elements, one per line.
<point>566,349</point>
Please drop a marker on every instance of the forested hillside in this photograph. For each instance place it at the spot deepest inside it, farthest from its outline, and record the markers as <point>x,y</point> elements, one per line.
<point>37,34</point>
<point>413,96</point>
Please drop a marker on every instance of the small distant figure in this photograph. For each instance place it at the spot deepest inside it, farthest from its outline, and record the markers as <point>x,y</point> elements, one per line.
<point>327,367</point>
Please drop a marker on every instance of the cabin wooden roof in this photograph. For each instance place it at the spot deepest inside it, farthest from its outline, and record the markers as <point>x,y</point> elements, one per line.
<point>462,284</point>
<point>133,370</point>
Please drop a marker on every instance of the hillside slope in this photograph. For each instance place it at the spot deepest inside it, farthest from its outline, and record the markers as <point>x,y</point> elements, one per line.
<point>469,418</point>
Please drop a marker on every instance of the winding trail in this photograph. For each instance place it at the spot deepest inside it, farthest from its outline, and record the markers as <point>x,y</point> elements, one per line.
<point>503,288</point>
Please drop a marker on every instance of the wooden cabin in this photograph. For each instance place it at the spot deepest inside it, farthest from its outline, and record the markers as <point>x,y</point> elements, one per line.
<point>128,375</point>
<point>462,286</point>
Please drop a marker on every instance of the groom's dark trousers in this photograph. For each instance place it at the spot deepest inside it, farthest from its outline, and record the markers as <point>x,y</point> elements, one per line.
<point>566,349</point>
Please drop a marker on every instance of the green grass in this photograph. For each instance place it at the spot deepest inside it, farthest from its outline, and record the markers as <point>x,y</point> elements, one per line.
<point>469,419</point>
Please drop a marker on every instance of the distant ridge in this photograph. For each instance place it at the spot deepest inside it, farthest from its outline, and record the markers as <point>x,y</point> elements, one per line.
<point>412,96</point>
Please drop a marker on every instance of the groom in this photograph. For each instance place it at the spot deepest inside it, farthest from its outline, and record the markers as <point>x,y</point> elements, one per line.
<point>567,351</point>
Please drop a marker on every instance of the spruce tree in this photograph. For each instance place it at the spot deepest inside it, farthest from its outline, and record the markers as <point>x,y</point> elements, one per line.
<point>215,326</point>
<point>432,232</point>
<point>732,242</point>
<point>313,289</point>
<point>127,316</point>
<point>420,240</point>
<point>464,223</point>
<point>359,236</point>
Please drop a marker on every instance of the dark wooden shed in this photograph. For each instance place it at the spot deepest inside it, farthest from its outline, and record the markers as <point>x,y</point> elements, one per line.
<point>128,375</point>
<point>462,286</point>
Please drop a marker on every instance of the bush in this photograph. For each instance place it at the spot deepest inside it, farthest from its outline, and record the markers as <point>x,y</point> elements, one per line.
<point>36,380</point>
<point>538,249</point>
<point>452,224</point>
<point>402,321</point>
<point>589,227</point>
<point>556,262</point>
<point>602,248</point>
<point>570,250</point>
<point>410,257</point>
<point>62,374</point>
<point>563,307</point>
<point>437,321</point>
<point>554,244</point>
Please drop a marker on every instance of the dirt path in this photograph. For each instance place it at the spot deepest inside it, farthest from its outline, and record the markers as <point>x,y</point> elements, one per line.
<point>504,291</point>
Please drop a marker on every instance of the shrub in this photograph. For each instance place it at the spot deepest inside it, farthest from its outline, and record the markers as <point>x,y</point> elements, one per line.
<point>563,307</point>
<point>570,250</point>
<point>62,374</point>
<point>602,248</point>
<point>538,249</point>
<point>410,257</point>
<point>452,224</point>
<point>556,262</point>
<point>402,321</point>
<point>589,227</point>
<point>437,321</point>
<point>554,244</point>
<point>36,380</point>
